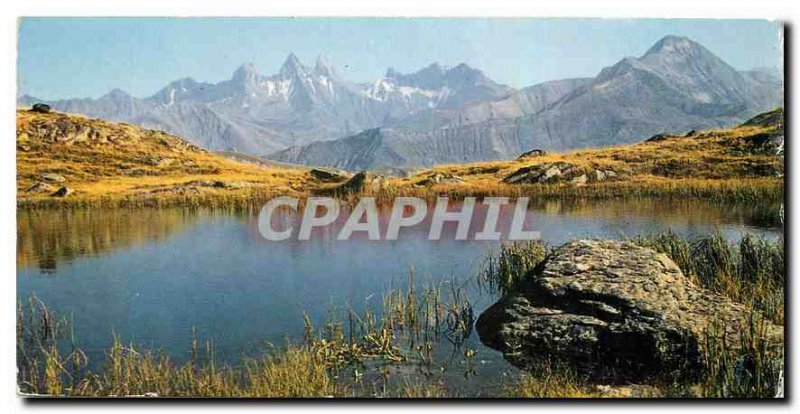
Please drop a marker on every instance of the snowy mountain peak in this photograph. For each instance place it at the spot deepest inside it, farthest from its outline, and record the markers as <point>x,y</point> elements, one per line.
<point>292,67</point>
<point>674,44</point>
<point>245,72</point>
<point>115,94</point>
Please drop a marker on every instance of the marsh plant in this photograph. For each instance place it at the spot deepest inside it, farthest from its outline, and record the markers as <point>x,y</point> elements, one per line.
<point>750,271</point>
<point>330,360</point>
<point>504,269</point>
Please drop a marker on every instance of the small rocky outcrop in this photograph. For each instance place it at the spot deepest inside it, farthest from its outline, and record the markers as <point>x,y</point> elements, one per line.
<point>41,108</point>
<point>440,178</point>
<point>558,172</point>
<point>660,137</point>
<point>230,185</point>
<point>532,153</point>
<point>157,161</point>
<point>614,311</point>
<point>363,182</point>
<point>63,192</point>
<point>491,169</point>
<point>197,187</point>
<point>766,144</point>
<point>550,172</point>
<point>328,175</point>
<point>41,187</point>
<point>52,177</point>
<point>772,118</point>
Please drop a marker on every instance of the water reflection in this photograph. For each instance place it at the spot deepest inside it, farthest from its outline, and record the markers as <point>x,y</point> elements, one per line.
<point>48,238</point>
<point>157,277</point>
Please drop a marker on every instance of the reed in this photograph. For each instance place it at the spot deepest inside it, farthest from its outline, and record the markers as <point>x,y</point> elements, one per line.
<point>749,271</point>
<point>503,270</point>
<point>751,367</point>
<point>406,330</point>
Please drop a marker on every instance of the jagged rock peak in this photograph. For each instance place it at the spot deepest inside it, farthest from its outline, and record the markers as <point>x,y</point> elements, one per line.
<point>116,93</point>
<point>246,71</point>
<point>323,66</point>
<point>672,44</point>
<point>292,66</point>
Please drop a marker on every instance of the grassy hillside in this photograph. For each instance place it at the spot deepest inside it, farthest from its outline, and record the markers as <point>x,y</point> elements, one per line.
<point>99,161</point>
<point>746,159</point>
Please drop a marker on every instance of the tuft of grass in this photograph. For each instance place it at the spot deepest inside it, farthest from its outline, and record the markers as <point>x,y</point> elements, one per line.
<point>505,269</point>
<point>113,164</point>
<point>412,321</point>
<point>549,381</point>
<point>751,368</point>
<point>750,271</point>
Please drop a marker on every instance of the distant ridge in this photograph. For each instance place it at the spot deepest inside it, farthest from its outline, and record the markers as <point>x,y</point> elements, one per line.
<point>676,86</point>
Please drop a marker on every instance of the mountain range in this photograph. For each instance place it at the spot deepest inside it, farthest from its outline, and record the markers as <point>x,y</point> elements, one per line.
<point>311,115</point>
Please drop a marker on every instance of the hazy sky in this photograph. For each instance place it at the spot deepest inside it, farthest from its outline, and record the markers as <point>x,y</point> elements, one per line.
<point>86,57</point>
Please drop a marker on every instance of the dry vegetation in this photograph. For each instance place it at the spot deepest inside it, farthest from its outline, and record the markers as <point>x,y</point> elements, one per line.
<point>728,163</point>
<point>119,164</point>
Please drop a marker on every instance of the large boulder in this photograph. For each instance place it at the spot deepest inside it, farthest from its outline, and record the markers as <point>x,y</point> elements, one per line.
<point>613,311</point>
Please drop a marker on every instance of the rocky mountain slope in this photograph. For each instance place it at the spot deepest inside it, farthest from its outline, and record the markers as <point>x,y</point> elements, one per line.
<point>75,159</point>
<point>676,86</point>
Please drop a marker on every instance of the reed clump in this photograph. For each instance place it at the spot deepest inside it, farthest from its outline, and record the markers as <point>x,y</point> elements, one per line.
<point>405,330</point>
<point>504,269</point>
<point>751,366</point>
<point>750,271</point>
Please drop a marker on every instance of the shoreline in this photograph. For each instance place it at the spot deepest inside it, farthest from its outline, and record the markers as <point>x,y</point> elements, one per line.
<point>726,190</point>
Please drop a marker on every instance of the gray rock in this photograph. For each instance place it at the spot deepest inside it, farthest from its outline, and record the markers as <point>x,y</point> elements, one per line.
<point>440,178</point>
<point>63,192</point>
<point>218,184</point>
<point>580,180</point>
<point>328,174</point>
<point>599,175</point>
<point>544,173</point>
<point>614,311</point>
<point>41,108</point>
<point>363,182</point>
<point>41,187</point>
<point>52,177</point>
<point>659,137</point>
<point>532,153</point>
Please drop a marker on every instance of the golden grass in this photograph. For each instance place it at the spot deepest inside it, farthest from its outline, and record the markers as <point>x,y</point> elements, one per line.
<point>111,164</point>
<point>106,163</point>
<point>718,163</point>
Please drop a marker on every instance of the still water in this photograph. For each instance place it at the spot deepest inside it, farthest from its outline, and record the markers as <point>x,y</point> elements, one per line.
<point>154,277</point>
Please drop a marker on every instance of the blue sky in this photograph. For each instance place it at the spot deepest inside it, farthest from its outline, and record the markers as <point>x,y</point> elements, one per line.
<point>86,57</point>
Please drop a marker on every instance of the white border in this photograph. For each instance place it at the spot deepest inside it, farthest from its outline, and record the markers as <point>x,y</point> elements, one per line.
<point>769,9</point>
